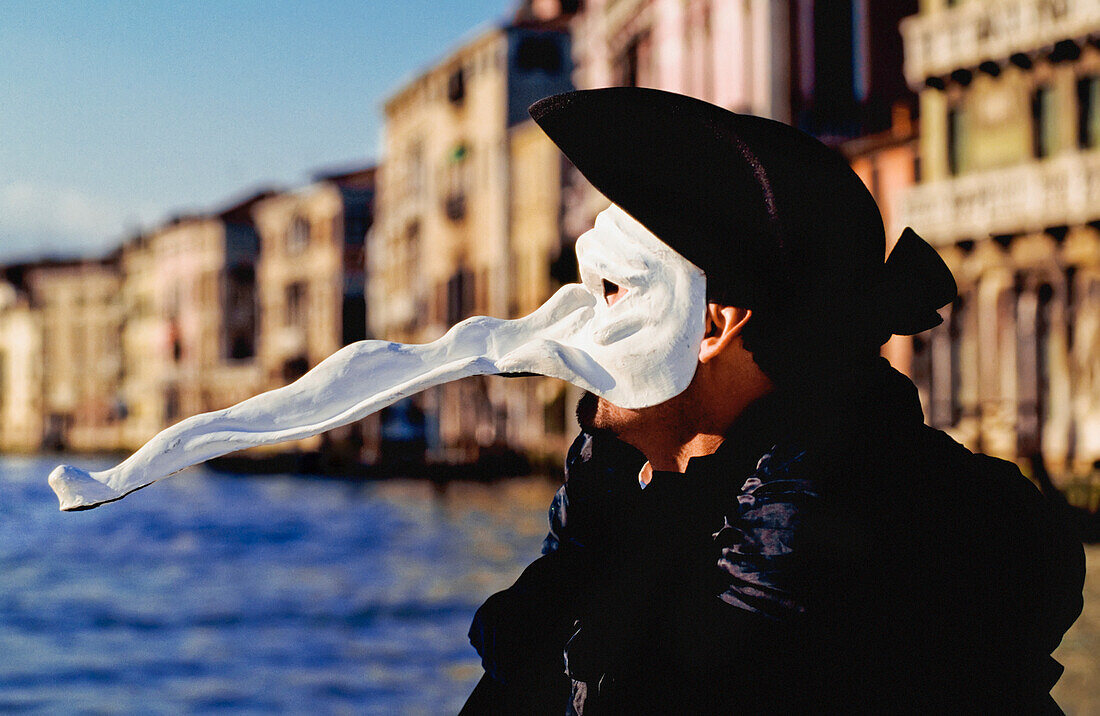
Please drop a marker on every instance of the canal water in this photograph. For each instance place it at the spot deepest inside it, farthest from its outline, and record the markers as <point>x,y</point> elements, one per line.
<point>207,592</point>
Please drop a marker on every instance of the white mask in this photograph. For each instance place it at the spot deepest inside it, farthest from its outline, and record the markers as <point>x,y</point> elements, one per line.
<point>639,352</point>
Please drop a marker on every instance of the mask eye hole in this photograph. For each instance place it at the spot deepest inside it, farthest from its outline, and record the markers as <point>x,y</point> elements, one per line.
<point>612,292</point>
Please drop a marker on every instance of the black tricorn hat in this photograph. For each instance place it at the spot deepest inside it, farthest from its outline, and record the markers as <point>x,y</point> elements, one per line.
<point>777,221</point>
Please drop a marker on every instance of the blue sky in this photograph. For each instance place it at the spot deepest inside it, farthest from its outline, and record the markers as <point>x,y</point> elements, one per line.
<point>115,115</point>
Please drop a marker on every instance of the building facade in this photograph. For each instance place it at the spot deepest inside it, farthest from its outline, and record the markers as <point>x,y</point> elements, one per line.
<point>21,415</point>
<point>1010,196</point>
<point>832,69</point>
<point>81,364</point>
<point>736,54</point>
<point>189,343</point>
<point>310,276</point>
<point>888,162</point>
<point>733,54</point>
<point>442,245</point>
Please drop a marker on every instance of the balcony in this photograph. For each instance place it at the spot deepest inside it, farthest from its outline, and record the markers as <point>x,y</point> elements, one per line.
<point>1018,199</point>
<point>963,37</point>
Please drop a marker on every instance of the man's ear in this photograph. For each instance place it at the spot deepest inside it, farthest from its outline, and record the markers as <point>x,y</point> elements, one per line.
<point>724,324</point>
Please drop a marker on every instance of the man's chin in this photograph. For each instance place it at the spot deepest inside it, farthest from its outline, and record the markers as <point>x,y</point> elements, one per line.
<point>597,415</point>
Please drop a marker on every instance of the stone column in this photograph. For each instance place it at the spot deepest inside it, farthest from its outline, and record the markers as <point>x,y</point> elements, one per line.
<point>997,371</point>
<point>732,47</point>
<point>668,43</point>
<point>933,135</point>
<point>1056,416</point>
<point>1086,369</point>
<point>967,363</point>
<point>1029,364</point>
<point>942,383</point>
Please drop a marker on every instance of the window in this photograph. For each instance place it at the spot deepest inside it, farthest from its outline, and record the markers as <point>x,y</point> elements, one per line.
<point>1043,122</point>
<point>956,140</point>
<point>454,202</point>
<point>633,64</point>
<point>539,53</point>
<point>297,307</point>
<point>1088,112</point>
<point>454,206</point>
<point>417,170</point>
<point>456,87</point>
<point>297,238</point>
<point>460,295</point>
<point>240,311</point>
<point>175,339</point>
<point>409,253</point>
<point>171,403</point>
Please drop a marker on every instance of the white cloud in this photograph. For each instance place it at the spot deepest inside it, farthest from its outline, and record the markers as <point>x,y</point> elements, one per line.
<point>38,218</point>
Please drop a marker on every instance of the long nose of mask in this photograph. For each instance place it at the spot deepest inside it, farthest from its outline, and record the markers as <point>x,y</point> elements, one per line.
<point>637,352</point>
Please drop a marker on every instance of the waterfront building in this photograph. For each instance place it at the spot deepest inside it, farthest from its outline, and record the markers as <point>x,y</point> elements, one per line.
<point>189,342</point>
<point>80,314</point>
<point>21,418</point>
<point>1010,196</point>
<point>451,239</point>
<point>732,53</point>
<point>888,162</point>
<point>145,349</point>
<point>310,276</point>
<point>540,410</point>
<point>832,69</point>
<point>846,67</point>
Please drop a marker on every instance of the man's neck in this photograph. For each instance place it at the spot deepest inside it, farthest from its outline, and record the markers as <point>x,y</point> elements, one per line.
<point>670,450</point>
<point>695,422</point>
<point>674,457</point>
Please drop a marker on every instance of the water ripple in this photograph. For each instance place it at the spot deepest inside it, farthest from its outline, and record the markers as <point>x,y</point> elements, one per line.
<point>208,593</point>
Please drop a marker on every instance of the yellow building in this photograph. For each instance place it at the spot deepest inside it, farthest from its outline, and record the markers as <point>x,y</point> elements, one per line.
<point>310,275</point>
<point>310,278</point>
<point>1010,195</point>
<point>442,247</point>
<point>21,418</point>
<point>542,260</point>
<point>145,349</point>
<point>190,338</point>
<point>81,316</point>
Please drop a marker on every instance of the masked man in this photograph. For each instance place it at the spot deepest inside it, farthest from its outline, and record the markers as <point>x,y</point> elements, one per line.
<point>755,517</point>
<point>785,534</point>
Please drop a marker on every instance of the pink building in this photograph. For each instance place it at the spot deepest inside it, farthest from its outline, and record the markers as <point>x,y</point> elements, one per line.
<point>833,68</point>
<point>734,54</point>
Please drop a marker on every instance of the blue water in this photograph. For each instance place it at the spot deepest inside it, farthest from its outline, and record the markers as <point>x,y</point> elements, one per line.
<point>207,592</point>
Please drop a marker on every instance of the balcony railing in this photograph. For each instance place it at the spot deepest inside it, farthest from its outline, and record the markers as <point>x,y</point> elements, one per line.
<point>1063,190</point>
<point>963,37</point>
